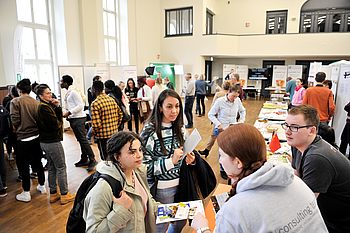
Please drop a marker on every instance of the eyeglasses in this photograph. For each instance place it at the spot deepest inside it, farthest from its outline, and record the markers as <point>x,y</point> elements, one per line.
<point>294,128</point>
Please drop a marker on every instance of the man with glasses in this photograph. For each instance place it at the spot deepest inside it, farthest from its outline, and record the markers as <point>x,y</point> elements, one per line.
<point>322,167</point>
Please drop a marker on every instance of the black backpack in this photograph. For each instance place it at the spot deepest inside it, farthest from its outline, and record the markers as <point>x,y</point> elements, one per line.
<point>76,222</point>
<point>4,122</point>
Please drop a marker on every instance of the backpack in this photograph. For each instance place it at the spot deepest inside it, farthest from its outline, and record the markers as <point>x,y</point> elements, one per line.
<point>76,222</point>
<point>4,122</point>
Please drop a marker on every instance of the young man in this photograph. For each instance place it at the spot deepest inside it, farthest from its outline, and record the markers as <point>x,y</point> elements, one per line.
<point>189,91</point>
<point>322,167</point>
<point>321,98</point>
<point>224,113</point>
<point>74,113</point>
<point>24,117</point>
<point>106,117</point>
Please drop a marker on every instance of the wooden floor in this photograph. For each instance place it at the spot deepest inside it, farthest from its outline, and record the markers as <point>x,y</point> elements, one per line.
<point>41,216</point>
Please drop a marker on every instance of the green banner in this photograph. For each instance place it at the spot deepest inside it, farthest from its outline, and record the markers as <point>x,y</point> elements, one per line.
<point>165,69</point>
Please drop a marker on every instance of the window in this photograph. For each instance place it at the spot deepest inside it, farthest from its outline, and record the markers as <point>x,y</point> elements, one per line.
<point>209,22</point>
<point>36,46</point>
<point>325,21</point>
<point>179,22</point>
<point>276,22</point>
<point>110,31</point>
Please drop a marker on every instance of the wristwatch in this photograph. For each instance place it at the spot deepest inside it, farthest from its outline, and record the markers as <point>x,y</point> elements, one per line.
<point>203,230</point>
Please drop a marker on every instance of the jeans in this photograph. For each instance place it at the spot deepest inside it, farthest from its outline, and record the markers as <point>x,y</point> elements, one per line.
<point>134,112</point>
<point>166,196</point>
<point>200,101</point>
<point>102,147</point>
<point>29,153</point>
<point>78,127</point>
<point>56,166</point>
<point>2,166</point>
<point>188,109</point>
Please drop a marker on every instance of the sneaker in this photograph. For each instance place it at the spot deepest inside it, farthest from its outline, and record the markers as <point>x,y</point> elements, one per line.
<point>24,196</point>
<point>91,166</point>
<point>204,152</point>
<point>82,163</point>
<point>33,175</point>
<point>67,198</point>
<point>55,197</point>
<point>41,189</point>
<point>3,192</point>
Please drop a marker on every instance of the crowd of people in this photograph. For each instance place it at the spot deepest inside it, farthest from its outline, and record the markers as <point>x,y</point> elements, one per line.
<point>311,195</point>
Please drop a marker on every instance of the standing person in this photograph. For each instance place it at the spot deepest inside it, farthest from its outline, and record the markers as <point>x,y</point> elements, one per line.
<point>91,98</point>
<point>131,92</point>
<point>345,136</point>
<point>201,91</point>
<point>163,138</point>
<point>144,96</point>
<point>50,124</point>
<point>135,210</point>
<point>74,112</point>
<point>168,84</point>
<point>234,78</point>
<point>24,117</point>
<point>157,89</point>
<point>223,114</point>
<point>189,92</point>
<point>3,187</point>
<point>11,138</point>
<point>299,93</point>
<point>322,167</point>
<point>106,117</point>
<point>290,87</point>
<point>116,93</point>
<point>243,156</point>
<point>321,98</point>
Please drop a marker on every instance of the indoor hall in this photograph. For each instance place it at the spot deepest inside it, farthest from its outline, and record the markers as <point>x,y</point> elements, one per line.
<point>41,216</point>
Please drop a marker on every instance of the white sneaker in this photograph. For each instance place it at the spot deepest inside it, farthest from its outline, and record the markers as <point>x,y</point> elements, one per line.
<point>24,196</point>
<point>41,188</point>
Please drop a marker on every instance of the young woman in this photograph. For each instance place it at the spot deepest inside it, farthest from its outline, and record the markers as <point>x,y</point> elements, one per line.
<point>135,210</point>
<point>298,93</point>
<point>163,138</point>
<point>268,188</point>
<point>131,92</point>
<point>50,126</point>
<point>144,96</point>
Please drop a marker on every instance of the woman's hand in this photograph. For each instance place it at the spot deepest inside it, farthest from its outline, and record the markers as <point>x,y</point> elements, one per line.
<point>178,153</point>
<point>199,221</point>
<point>124,200</point>
<point>190,158</point>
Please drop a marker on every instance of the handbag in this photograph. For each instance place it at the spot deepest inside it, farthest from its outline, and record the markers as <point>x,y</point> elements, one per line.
<point>144,109</point>
<point>126,115</point>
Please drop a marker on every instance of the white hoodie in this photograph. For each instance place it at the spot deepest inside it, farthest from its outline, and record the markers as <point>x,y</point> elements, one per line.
<point>273,200</point>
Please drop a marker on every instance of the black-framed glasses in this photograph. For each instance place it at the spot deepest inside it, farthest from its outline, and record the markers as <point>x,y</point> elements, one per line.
<point>294,128</point>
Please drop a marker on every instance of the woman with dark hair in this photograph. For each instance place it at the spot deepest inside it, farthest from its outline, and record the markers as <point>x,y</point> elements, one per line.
<point>50,124</point>
<point>144,96</point>
<point>163,138</point>
<point>135,210</point>
<point>278,200</point>
<point>131,92</point>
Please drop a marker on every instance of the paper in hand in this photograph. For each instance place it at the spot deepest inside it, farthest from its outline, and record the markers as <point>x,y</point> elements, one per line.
<point>191,142</point>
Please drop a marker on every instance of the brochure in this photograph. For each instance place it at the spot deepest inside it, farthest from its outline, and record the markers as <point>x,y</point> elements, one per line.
<point>219,200</point>
<point>179,211</point>
<point>192,141</point>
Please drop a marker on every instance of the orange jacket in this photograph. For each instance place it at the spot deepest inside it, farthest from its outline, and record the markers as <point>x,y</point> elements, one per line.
<point>322,99</point>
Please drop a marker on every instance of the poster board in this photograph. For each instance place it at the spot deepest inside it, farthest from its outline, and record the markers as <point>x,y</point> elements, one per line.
<point>314,68</point>
<point>279,76</point>
<point>227,69</point>
<point>122,73</point>
<point>295,71</point>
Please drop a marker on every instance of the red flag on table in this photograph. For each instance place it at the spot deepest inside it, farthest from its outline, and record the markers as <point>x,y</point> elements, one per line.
<point>274,143</point>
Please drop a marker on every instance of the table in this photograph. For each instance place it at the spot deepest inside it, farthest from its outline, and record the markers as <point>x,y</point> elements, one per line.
<point>262,127</point>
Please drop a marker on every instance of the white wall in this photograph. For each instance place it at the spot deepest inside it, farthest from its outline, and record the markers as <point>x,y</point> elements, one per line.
<point>144,33</point>
<point>8,22</point>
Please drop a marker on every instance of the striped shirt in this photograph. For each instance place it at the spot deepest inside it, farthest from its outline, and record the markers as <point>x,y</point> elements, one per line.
<point>160,165</point>
<point>106,116</point>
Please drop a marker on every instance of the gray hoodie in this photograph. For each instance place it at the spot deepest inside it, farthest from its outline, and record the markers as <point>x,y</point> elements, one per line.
<point>102,215</point>
<point>273,200</point>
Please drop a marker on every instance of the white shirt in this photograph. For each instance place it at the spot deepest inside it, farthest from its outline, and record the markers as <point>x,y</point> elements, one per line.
<point>73,103</point>
<point>156,90</point>
<point>146,95</point>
